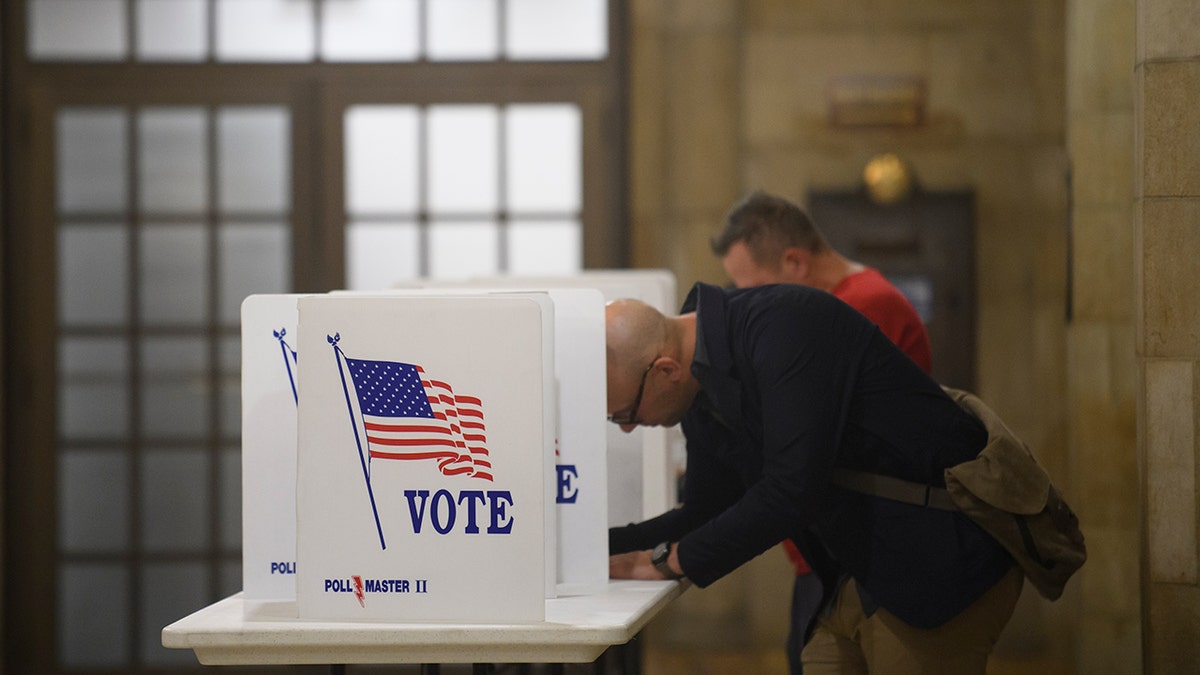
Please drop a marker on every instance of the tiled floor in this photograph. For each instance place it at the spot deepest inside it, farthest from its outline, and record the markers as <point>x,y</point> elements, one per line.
<point>660,662</point>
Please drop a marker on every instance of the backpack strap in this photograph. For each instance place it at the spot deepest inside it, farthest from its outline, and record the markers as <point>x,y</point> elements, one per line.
<point>896,489</point>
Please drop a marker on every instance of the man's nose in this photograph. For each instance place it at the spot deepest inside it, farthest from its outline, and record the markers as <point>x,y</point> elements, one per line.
<point>627,427</point>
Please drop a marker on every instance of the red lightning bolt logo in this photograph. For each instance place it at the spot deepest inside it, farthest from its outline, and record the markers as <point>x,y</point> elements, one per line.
<point>358,590</point>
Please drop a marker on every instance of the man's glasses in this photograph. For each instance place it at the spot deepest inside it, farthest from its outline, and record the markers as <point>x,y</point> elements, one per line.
<point>631,419</point>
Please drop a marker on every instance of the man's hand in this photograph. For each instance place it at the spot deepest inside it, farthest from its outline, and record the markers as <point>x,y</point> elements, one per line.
<point>633,565</point>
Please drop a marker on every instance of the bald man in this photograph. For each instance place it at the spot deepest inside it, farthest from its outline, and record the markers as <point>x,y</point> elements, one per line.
<point>778,389</point>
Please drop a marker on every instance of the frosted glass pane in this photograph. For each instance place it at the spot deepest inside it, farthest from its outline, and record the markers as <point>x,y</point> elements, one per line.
<point>175,355</point>
<point>461,250</point>
<point>93,284</point>
<point>462,30</point>
<point>172,163</point>
<point>172,30</point>
<point>254,157</point>
<point>94,616</point>
<point>174,500</point>
<point>463,158</point>
<point>230,358</point>
<point>378,255</point>
<point>231,499</point>
<point>545,248</point>
<point>382,148</point>
<point>174,408</point>
<point>174,375</point>
<point>553,29</point>
<point>265,30</point>
<point>170,591</point>
<point>92,147</point>
<point>370,30</point>
<point>93,501</point>
<point>87,357</point>
<point>77,30</point>
<point>231,408</point>
<point>544,158</point>
<point>230,384</point>
<point>254,258</point>
<point>93,410</point>
<point>230,580</point>
<point>174,274</point>
<point>93,387</point>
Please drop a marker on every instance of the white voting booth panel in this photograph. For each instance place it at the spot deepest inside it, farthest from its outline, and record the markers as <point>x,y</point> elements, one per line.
<point>269,398</point>
<point>401,513</point>
<point>643,465</point>
<point>581,486</point>
<point>269,331</point>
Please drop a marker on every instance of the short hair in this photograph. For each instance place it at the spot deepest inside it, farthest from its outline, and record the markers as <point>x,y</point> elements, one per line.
<point>768,224</point>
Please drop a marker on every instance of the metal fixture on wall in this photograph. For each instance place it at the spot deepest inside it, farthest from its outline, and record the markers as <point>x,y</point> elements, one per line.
<point>889,179</point>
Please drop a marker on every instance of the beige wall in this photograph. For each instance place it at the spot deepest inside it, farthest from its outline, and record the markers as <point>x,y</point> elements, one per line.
<point>729,96</point>
<point>1166,243</point>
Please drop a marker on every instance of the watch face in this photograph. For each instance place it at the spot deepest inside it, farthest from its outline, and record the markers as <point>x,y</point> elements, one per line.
<point>660,553</point>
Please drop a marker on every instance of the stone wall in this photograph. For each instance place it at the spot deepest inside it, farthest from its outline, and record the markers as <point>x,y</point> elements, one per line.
<point>1166,246</point>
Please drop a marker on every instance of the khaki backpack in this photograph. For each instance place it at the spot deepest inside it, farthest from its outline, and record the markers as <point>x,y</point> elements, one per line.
<point>1006,492</point>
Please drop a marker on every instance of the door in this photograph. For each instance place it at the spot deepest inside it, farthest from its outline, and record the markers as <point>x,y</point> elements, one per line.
<point>925,246</point>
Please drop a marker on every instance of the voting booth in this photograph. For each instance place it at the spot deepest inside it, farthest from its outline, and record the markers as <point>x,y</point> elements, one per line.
<point>426,479</point>
<point>269,426</point>
<point>425,455</point>
<point>479,523</point>
<point>581,491</point>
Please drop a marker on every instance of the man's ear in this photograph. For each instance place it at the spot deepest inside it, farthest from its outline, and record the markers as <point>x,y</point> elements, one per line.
<point>796,264</point>
<point>670,367</point>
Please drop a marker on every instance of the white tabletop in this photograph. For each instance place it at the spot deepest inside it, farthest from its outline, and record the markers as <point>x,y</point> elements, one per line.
<point>577,629</point>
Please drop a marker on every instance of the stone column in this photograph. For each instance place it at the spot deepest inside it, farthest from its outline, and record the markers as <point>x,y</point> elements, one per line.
<point>1167,277</point>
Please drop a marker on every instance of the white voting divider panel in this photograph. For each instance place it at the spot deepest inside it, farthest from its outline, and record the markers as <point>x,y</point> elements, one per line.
<point>581,486</point>
<point>388,526</point>
<point>644,465</point>
<point>269,455</point>
<point>581,465</point>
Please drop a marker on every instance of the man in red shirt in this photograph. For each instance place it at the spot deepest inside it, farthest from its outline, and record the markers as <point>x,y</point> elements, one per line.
<point>770,240</point>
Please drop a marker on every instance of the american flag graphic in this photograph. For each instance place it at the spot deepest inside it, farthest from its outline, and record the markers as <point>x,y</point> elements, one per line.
<point>408,415</point>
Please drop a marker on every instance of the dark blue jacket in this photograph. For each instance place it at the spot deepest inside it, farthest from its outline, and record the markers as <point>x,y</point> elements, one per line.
<point>793,383</point>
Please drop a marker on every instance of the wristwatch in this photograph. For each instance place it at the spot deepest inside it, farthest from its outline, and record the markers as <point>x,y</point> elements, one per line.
<point>659,557</point>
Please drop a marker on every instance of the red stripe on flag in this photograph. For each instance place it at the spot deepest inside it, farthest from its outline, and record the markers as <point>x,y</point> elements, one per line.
<point>397,428</point>
<point>410,441</point>
<point>380,454</point>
